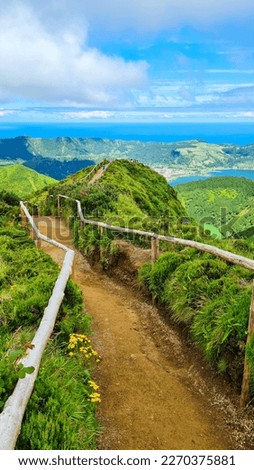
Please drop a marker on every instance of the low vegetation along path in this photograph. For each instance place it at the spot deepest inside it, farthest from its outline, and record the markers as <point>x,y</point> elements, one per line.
<point>149,399</point>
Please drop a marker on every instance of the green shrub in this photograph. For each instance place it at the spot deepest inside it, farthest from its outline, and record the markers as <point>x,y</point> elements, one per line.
<point>61,411</point>
<point>211,297</point>
<point>59,414</point>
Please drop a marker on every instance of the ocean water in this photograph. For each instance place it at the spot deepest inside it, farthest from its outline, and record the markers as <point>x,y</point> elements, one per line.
<point>238,173</point>
<point>235,133</point>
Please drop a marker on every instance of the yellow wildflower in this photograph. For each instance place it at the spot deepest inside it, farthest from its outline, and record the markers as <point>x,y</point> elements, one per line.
<point>95,397</point>
<point>82,343</point>
<point>93,385</point>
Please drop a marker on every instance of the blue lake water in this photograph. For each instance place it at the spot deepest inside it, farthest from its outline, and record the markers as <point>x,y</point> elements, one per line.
<point>239,173</point>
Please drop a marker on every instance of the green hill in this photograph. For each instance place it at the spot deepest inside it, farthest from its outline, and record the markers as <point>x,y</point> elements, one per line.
<point>222,205</point>
<point>128,193</point>
<point>21,180</point>
<point>208,297</point>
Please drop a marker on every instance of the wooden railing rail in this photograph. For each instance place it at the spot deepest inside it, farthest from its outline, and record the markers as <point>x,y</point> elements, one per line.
<point>218,252</point>
<point>226,255</point>
<point>14,409</point>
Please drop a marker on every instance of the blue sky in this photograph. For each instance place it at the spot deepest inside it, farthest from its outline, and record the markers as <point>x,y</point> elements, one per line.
<point>126,61</point>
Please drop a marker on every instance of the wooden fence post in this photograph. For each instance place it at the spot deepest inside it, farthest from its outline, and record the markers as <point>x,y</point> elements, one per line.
<point>23,218</point>
<point>36,239</point>
<point>58,206</point>
<point>102,230</point>
<point>245,393</point>
<point>154,249</point>
<point>38,243</point>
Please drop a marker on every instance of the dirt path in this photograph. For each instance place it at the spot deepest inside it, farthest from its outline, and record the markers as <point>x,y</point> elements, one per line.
<point>98,174</point>
<point>149,399</point>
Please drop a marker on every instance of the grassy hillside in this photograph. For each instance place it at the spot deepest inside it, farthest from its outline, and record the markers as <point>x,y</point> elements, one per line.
<point>128,194</point>
<point>224,205</point>
<point>59,157</point>
<point>61,411</point>
<point>21,180</point>
<point>210,298</point>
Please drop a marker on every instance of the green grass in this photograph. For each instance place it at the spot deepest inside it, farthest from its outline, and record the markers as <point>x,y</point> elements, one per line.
<point>22,181</point>
<point>210,297</point>
<point>212,231</point>
<point>207,296</point>
<point>129,194</point>
<point>61,411</point>
<point>126,190</point>
<point>225,203</point>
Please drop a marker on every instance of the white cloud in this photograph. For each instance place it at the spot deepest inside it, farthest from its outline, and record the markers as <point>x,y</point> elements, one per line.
<point>247,114</point>
<point>39,63</point>
<point>4,112</point>
<point>145,15</point>
<point>179,94</point>
<point>135,15</point>
<point>80,115</point>
<point>240,96</point>
<point>149,115</point>
<point>45,58</point>
<point>231,71</point>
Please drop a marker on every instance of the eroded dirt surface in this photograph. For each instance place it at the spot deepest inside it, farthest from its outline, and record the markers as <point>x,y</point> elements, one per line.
<point>153,395</point>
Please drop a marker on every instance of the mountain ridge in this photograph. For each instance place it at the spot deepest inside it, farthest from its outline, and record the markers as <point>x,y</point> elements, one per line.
<point>61,156</point>
<point>128,193</point>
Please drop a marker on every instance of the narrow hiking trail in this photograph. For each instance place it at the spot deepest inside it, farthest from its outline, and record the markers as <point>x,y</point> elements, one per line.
<point>150,399</point>
<point>99,173</point>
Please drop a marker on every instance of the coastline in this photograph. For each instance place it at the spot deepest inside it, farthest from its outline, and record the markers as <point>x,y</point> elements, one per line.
<point>172,174</point>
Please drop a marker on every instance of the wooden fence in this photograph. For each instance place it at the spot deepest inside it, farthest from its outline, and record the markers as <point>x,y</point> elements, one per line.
<point>93,171</point>
<point>14,409</point>
<point>223,254</point>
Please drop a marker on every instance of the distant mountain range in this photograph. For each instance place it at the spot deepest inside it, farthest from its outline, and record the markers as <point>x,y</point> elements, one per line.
<point>59,157</point>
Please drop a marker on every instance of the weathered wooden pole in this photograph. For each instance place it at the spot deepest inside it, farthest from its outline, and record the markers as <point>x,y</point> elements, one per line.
<point>36,238</point>
<point>59,205</point>
<point>245,393</point>
<point>154,249</point>
<point>38,243</point>
<point>34,235</point>
<point>102,230</point>
<point>23,218</point>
